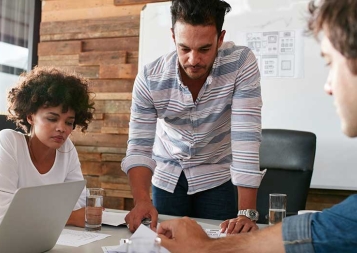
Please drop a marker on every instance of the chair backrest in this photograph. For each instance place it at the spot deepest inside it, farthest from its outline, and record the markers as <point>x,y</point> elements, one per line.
<point>288,156</point>
<point>7,124</point>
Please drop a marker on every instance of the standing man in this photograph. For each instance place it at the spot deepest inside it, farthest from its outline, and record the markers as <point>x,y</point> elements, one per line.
<point>334,229</point>
<point>195,126</point>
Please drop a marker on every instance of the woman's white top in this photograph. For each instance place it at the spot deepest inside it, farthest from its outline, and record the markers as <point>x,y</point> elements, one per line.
<point>17,169</point>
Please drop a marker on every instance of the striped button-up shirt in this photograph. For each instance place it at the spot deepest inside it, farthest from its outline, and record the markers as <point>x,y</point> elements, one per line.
<point>213,139</point>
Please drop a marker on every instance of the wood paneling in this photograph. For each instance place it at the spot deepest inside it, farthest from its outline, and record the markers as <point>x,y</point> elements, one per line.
<point>60,48</point>
<point>59,60</point>
<point>105,106</point>
<point>60,5</point>
<point>113,96</point>
<point>113,85</point>
<point>108,57</point>
<point>99,139</point>
<point>111,44</point>
<point>129,2</point>
<point>319,199</point>
<point>67,10</point>
<point>124,26</point>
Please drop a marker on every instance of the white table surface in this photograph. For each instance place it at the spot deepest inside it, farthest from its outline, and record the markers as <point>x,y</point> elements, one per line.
<point>121,232</point>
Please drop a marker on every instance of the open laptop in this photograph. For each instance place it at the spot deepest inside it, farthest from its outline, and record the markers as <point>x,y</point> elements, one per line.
<point>37,215</point>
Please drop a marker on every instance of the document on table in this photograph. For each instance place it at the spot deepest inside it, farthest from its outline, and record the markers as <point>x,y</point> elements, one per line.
<point>77,238</point>
<point>114,218</point>
<point>215,233</point>
<point>142,233</point>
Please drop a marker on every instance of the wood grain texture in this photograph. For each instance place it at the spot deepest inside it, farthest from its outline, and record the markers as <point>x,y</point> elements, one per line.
<point>111,170</point>
<point>100,149</point>
<point>124,26</point>
<point>109,71</point>
<point>111,44</point>
<point>116,186</point>
<point>128,71</point>
<point>113,96</point>
<point>98,116</point>
<point>90,157</point>
<point>85,71</point>
<point>58,60</point>
<point>92,181</point>
<point>61,5</point>
<point>130,2</point>
<point>59,48</point>
<point>114,130</point>
<point>108,57</point>
<point>91,168</point>
<point>115,106</point>
<point>112,157</point>
<point>118,193</point>
<point>120,71</point>
<point>106,11</point>
<point>103,140</point>
<point>111,85</point>
<point>117,120</point>
<point>114,202</point>
<point>112,124</point>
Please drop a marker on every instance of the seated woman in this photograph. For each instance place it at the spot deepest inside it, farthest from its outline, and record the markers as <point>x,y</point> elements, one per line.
<point>47,104</point>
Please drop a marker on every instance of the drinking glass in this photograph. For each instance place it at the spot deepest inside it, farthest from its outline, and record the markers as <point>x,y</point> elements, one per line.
<point>94,209</point>
<point>277,207</point>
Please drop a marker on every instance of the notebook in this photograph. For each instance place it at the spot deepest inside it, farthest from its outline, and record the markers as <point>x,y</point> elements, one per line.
<point>37,215</point>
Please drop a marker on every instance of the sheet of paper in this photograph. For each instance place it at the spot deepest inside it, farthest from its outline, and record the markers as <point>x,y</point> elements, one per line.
<point>215,233</point>
<point>77,238</point>
<point>114,218</point>
<point>142,233</point>
<point>110,249</point>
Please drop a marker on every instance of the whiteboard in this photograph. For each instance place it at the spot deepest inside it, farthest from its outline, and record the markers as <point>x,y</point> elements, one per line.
<point>295,102</point>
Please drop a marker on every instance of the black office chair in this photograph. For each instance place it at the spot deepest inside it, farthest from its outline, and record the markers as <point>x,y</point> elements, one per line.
<point>289,157</point>
<point>7,124</point>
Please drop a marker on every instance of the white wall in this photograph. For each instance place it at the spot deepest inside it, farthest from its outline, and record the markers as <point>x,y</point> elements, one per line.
<point>290,103</point>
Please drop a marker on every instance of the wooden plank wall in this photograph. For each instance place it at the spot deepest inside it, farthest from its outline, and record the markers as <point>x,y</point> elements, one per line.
<point>100,40</point>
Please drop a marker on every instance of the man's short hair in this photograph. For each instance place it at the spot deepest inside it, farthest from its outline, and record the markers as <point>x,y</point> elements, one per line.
<point>338,20</point>
<point>200,12</point>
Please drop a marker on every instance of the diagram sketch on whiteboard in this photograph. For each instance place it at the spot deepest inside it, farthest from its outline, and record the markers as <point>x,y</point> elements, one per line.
<point>278,53</point>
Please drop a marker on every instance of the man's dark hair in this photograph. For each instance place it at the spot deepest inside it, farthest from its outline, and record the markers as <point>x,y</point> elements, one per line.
<point>338,20</point>
<point>50,87</point>
<point>200,12</point>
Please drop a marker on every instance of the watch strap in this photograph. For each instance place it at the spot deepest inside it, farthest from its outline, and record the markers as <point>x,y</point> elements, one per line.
<point>249,213</point>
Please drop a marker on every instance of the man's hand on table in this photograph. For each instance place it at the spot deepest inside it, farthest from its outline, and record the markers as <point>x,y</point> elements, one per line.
<point>241,224</point>
<point>142,210</point>
<point>182,235</point>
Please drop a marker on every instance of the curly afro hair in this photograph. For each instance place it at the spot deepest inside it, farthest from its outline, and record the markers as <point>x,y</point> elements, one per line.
<point>50,87</point>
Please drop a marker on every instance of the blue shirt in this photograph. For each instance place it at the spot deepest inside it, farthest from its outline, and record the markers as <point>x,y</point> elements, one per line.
<point>333,230</point>
<point>213,139</point>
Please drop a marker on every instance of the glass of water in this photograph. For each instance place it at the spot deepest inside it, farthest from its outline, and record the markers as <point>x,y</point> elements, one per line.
<point>277,207</point>
<point>94,209</point>
<point>143,245</point>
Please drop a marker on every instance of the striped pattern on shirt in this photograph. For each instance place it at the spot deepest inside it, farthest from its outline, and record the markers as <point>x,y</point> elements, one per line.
<point>214,139</point>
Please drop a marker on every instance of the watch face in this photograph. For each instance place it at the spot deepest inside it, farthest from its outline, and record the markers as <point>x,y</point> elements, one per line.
<point>250,213</point>
<point>253,214</point>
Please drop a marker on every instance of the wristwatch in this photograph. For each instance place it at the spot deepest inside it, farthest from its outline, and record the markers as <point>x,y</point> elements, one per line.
<point>250,213</point>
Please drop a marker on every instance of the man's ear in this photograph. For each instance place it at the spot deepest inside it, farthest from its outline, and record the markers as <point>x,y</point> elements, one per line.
<point>173,34</point>
<point>221,38</point>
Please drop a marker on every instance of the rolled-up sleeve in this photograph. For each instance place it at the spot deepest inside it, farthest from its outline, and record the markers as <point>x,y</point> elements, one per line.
<point>142,127</point>
<point>297,234</point>
<point>246,124</point>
